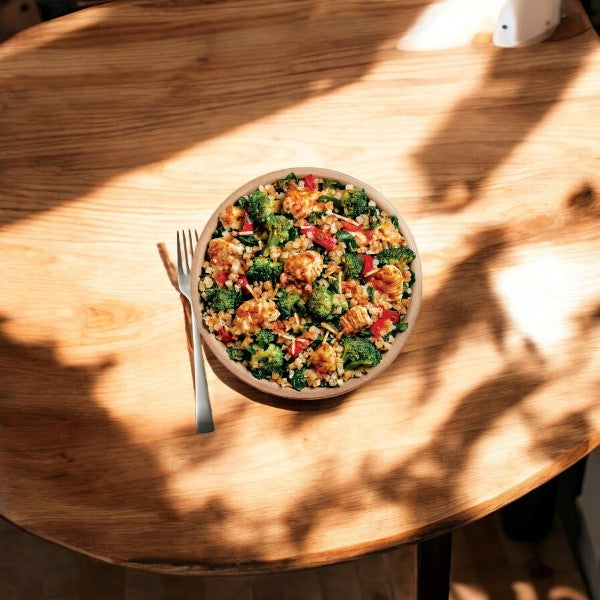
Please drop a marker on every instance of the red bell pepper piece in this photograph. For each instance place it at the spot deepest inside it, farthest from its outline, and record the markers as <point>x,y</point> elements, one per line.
<point>248,226</point>
<point>220,278</point>
<point>386,316</point>
<point>243,281</point>
<point>350,226</point>
<point>309,182</point>
<point>300,344</point>
<point>391,315</point>
<point>367,261</point>
<point>320,237</point>
<point>224,335</point>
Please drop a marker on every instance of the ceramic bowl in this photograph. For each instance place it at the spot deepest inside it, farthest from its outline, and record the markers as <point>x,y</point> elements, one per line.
<point>219,349</point>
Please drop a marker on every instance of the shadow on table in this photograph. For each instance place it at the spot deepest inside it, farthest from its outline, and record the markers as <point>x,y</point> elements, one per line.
<point>151,91</point>
<point>489,124</point>
<point>145,97</point>
<point>82,456</point>
<point>430,478</point>
<point>62,451</point>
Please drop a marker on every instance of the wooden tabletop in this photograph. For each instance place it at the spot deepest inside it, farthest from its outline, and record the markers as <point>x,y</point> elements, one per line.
<point>123,123</point>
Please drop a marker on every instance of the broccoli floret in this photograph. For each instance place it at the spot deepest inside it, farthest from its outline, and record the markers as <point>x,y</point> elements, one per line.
<point>348,239</point>
<point>320,304</point>
<point>298,380</point>
<point>352,266</point>
<point>353,202</point>
<point>236,354</point>
<point>397,255</point>
<point>289,304</point>
<point>279,230</point>
<point>260,206</point>
<point>359,352</point>
<point>267,359</point>
<point>264,337</point>
<point>225,299</point>
<point>262,269</point>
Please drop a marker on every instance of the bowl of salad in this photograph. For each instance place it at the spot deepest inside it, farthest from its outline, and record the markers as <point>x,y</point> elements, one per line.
<point>306,283</point>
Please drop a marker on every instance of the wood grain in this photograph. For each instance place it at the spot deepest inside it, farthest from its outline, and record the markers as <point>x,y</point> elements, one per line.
<point>123,123</point>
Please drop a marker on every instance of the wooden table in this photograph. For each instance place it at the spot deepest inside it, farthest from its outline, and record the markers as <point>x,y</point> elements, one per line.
<point>123,123</point>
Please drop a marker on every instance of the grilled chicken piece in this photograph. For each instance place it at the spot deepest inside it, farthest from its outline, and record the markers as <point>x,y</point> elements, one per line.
<point>355,292</point>
<point>300,203</point>
<point>305,266</point>
<point>232,217</point>
<point>355,319</point>
<point>253,315</point>
<point>389,281</point>
<point>224,252</point>
<point>323,359</point>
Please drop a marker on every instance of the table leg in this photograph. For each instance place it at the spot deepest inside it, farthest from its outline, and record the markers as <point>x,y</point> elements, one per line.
<point>529,519</point>
<point>433,568</point>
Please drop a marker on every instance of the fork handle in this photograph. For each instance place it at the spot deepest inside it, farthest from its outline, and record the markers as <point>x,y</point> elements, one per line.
<point>204,419</point>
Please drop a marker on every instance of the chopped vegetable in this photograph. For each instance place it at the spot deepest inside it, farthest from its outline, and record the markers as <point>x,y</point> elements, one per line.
<point>387,316</point>
<point>348,239</point>
<point>268,359</point>
<point>263,338</point>
<point>320,304</point>
<point>367,261</point>
<point>248,226</point>
<point>359,352</point>
<point>350,226</point>
<point>220,277</point>
<point>397,255</point>
<point>298,345</point>
<point>309,182</point>
<point>260,206</point>
<point>236,354</point>
<point>298,380</point>
<point>262,269</point>
<point>224,335</point>
<point>318,236</point>
<point>248,240</point>
<point>352,266</point>
<point>225,299</point>
<point>279,228</point>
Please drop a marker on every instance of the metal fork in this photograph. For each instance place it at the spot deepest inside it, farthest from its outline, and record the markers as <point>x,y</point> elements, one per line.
<point>185,250</point>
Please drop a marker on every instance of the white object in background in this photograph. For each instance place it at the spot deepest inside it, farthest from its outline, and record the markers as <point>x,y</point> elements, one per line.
<point>524,22</point>
<point>450,24</point>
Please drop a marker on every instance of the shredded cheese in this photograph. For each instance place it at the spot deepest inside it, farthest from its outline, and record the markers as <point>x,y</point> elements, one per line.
<point>330,328</point>
<point>371,273</point>
<point>345,219</point>
<point>285,336</point>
